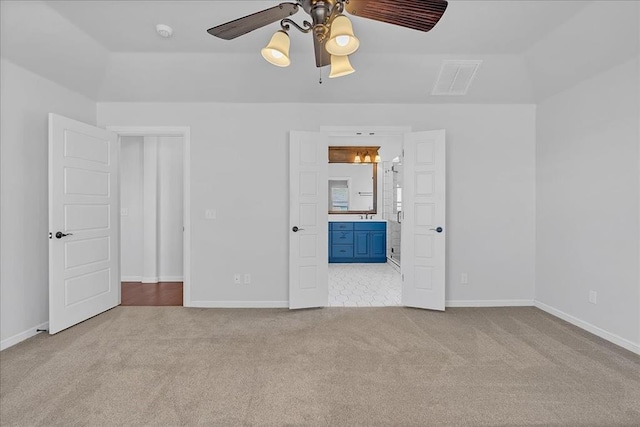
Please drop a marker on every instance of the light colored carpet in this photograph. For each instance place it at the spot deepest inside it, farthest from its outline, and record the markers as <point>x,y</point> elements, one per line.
<point>326,367</point>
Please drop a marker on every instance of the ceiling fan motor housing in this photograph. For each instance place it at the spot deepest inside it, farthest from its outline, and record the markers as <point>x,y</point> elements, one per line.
<point>320,12</point>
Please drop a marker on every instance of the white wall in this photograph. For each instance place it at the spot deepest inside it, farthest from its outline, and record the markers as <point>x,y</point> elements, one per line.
<point>25,103</point>
<point>169,208</point>
<point>131,184</point>
<point>239,167</point>
<point>587,202</point>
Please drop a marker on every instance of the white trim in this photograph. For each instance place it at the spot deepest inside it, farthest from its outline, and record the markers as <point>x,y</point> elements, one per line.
<point>11,341</point>
<point>490,303</point>
<point>240,304</point>
<point>364,130</point>
<point>171,278</point>
<point>160,279</point>
<point>622,342</point>
<point>150,279</point>
<point>185,132</point>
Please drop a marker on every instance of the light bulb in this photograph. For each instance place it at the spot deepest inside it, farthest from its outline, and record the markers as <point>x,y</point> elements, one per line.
<point>276,54</point>
<point>342,40</point>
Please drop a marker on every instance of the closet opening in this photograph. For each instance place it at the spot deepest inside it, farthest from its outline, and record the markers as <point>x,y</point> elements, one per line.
<point>154,249</point>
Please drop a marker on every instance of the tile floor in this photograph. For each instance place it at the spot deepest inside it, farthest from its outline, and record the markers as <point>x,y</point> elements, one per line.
<point>363,285</point>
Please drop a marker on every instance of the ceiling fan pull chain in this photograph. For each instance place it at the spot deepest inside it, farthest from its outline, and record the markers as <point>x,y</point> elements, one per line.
<point>320,72</point>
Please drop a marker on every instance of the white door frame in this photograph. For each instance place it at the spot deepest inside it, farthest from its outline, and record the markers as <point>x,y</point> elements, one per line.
<point>185,133</point>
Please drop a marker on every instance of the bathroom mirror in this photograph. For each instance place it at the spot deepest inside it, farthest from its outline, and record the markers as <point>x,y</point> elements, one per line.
<point>352,184</point>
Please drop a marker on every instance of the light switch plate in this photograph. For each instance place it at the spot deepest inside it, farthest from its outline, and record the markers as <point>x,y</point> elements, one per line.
<point>210,214</point>
<point>124,211</point>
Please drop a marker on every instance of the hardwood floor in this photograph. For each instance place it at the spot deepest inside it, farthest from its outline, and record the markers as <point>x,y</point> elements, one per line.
<point>153,294</point>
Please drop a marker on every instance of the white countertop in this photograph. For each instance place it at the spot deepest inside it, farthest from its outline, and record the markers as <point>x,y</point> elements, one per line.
<point>357,220</point>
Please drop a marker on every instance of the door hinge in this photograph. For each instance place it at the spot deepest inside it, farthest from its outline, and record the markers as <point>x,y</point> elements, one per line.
<point>403,277</point>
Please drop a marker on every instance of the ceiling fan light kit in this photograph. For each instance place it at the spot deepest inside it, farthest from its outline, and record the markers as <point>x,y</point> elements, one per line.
<point>277,51</point>
<point>333,36</point>
<point>342,41</point>
<point>340,66</point>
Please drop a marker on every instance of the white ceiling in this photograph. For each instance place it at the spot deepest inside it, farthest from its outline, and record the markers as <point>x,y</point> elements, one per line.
<point>468,27</point>
<point>109,51</point>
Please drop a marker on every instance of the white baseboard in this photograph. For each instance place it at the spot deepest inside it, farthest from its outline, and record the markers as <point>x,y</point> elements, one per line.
<point>11,341</point>
<point>152,279</point>
<point>240,304</point>
<point>490,303</point>
<point>171,279</point>
<point>622,342</point>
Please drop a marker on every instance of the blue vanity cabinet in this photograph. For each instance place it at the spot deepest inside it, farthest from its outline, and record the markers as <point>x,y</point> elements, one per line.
<point>340,241</point>
<point>363,242</point>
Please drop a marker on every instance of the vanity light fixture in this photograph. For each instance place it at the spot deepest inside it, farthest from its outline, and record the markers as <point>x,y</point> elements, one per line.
<point>367,157</point>
<point>357,159</point>
<point>377,159</point>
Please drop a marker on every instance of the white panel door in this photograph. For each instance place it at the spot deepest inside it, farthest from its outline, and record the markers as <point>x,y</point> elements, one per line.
<point>308,227</point>
<point>84,276</point>
<point>423,225</point>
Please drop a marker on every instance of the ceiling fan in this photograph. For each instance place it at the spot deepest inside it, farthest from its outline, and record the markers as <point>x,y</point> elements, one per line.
<point>333,39</point>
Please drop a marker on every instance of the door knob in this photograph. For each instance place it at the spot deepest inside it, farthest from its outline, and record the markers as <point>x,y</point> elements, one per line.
<point>438,229</point>
<point>295,229</point>
<point>60,235</point>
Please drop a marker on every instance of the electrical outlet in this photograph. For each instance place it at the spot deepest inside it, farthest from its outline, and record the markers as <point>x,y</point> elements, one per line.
<point>464,278</point>
<point>124,211</point>
<point>237,279</point>
<point>593,297</point>
<point>247,278</point>
<point>210,214</point>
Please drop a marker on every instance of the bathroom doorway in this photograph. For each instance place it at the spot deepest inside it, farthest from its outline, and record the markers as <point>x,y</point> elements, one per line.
<point>364,242</point>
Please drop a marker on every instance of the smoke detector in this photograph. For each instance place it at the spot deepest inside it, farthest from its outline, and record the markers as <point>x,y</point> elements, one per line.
<point>165,31</point>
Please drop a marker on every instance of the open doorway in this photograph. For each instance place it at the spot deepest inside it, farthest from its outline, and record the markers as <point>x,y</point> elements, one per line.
<point>154,216</point>
<point>364,237</point>
<point>423,220</point>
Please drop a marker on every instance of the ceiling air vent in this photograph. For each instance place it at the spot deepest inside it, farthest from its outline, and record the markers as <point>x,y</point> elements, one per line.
<point>455,77</point>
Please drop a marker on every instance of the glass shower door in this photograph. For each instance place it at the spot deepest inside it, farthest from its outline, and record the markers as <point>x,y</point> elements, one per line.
<point>393,209</point>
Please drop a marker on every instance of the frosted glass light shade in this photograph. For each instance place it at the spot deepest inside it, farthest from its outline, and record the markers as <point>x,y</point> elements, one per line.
<point>342,41</point>
<point>367,158</point>
<point>277,51</point>
<point>377,159</point>
<point>357,159</point>
<point>340,66</point>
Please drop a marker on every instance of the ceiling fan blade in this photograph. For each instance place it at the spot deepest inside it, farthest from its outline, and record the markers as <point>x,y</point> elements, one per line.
<point>322,56</point>
<point>421,15</point>
<point>232,29</point>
